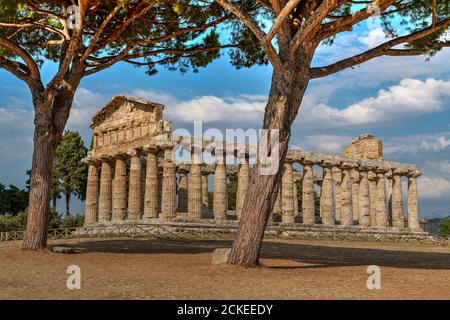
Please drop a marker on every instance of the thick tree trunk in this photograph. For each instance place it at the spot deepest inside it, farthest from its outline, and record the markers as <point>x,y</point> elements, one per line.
<point>49,121</point>
<point>67,203</point>
<point>41,177</point>
<point>286,94</point>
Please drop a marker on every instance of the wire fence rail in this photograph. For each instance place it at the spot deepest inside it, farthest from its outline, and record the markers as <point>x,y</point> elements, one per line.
<point>226,232</point>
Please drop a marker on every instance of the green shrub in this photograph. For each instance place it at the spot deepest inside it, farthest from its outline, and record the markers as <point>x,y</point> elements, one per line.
<point>13,223</point>
<point>444,227</point>
<point>19,221</point>
<point>72,221</point>
<point>55,219</point>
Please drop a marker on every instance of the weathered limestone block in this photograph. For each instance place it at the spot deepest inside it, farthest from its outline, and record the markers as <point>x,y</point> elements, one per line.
<point>220,256</point>
<point>63,249</point>
<point>287,197</point>
<point>326,199</point>
<point>242,181</point>
<point>308,194</point>
<point>120,190</point>
<point>151,203</point>
<point>365,146</point>
<point>135,186</point>
<point>105,198</point>
<point>168,198</point>
<point>183,193</point>
<point>413,201</point>
<point>91,196</point>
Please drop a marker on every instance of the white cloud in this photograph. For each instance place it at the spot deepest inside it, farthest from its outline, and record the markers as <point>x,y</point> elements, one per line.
<point>333,144</point>
<point>376,71</point>
<point>248,109</point>
<point>440,143</point>
<point>374,38</point>
<point>85,104</point>
<point>411,97</point>
<point>433,188</point>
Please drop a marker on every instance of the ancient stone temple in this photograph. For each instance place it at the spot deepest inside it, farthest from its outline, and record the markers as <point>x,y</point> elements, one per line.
<point>135,178</point>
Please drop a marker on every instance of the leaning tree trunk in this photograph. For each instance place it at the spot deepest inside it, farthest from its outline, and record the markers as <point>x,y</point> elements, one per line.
<point>67,203</point>
<point>49,122</point>
<point>40,183</point>
<point>286,94</point>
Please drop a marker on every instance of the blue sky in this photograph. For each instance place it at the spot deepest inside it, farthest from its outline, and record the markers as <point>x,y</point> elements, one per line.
<point>403,101</point>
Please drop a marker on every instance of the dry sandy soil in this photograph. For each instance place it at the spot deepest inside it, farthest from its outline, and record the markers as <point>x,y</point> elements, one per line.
<point>182,269</point>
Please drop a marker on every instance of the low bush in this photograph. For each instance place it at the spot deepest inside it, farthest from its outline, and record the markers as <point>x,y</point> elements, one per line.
<point>444,227</point>
<point>19,222</point>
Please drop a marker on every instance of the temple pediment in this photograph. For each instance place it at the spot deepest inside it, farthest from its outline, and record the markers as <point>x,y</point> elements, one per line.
<point>126,123</point>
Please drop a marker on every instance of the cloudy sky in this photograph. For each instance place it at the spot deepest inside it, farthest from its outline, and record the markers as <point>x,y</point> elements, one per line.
<point>403,101</point>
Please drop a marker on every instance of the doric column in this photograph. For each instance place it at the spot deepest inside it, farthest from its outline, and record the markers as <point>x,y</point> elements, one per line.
<point>318,182</point>
<point>381,205</point>
<point>120,189</point>
<point>355,176</point>
<point>105,198</point>
<point>346,196</point>
<point>151,198</point>
<point>90,215</point>
<point>373,179</point>
<point>220,204</point>
<point>287,196</point>
<point>337,178</point>
<point>242,185</point>
<point>295,197</point>
<point>205,192</point>
<point>168,198</point>
<point>326,198</point>
<point>397,198</point>
<point>413,201</point>
<point>160,188</point>
<point>195,207</point>
<point>364,197</point>
<point>308,193</point>
<point>143,178</point>
<point>389,185</point>
<point>135,186</point>
<point>182,205</point>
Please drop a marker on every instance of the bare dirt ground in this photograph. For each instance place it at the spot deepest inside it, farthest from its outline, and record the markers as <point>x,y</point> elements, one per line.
<point>182,269</point>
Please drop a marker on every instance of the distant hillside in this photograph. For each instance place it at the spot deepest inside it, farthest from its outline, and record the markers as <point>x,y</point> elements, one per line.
<point>432,226</point>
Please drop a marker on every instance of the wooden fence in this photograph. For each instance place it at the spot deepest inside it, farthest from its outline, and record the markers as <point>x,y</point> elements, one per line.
<point>216,231</point>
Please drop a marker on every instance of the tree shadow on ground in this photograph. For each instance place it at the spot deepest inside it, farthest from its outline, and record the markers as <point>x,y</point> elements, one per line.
<point>311,256</point>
